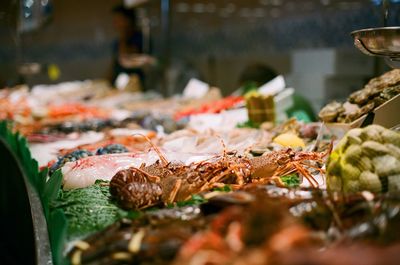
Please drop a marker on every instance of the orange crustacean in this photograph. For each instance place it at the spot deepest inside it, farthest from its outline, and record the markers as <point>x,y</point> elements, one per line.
<point>166,182</point>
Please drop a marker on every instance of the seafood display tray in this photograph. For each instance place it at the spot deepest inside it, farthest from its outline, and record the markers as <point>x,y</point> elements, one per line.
<point>382,115</point>
<point>144,197</point>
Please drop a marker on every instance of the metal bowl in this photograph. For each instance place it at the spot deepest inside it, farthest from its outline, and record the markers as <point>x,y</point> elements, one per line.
<point>383,42</point>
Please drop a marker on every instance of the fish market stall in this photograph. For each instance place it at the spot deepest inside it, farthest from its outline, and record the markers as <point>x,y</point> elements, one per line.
<point>94,172</point>
<point>114,190</point>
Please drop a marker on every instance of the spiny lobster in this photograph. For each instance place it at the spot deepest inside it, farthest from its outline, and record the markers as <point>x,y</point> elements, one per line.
<point>138,188</point>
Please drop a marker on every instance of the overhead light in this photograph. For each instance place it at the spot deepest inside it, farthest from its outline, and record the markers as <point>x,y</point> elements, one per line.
<point>133,3</point>
<point>28,3</point>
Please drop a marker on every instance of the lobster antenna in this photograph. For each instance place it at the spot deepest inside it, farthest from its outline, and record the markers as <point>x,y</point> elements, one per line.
<point>160,155</point>
<point>319,138</point>
<point>223,144</point>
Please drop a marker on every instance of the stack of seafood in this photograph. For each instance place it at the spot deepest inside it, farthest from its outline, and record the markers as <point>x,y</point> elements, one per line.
<point>375,93</point>
<point>277,195</point>
<point>180,191</point>
<point>260,225</point>
<point>61,113</point>
<point>235,208</point>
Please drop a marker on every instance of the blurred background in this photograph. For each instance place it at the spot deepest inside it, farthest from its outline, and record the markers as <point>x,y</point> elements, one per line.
<point>308,41</point>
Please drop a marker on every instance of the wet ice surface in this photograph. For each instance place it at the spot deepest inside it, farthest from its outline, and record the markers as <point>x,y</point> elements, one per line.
<point>86,171</point>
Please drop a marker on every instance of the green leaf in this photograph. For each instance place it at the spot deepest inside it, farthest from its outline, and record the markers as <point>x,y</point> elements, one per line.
<point>249,86</point>
<point>88,210</point>
<point>133,214</point>
<point>248,124</point>
<point>291,181</point>
<point>196,199</point>
<point>53,186</point>
<point>42,178</point>
<point>57,227</point>
<point>225,188</point>
<point>3,128</point>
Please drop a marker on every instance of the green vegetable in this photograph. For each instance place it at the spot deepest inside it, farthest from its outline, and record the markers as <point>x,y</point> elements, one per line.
<point>248,124</point>
<point>88,209</point>
<point>194,200</point>
<point>291,181</point>
<point>249,87</point>
<point>225,188</point>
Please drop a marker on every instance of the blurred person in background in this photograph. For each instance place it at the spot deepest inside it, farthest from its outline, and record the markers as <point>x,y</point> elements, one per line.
<point>127,50</point>
<point>258,74</point>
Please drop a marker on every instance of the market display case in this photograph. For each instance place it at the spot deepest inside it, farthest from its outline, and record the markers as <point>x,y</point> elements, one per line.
<point>92,174</point>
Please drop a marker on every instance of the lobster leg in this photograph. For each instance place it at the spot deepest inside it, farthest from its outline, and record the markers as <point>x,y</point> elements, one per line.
<point>278,181</point>
<point>275,178</point>
<point>174,192</point>
<point>239,177</point>
<point>218,185</point>
<point>314,167</point>
<point>286,170</point>
<point>307,175</point>
<point>240,173</point>
<point>216,179</point>
<point>151,177</point>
